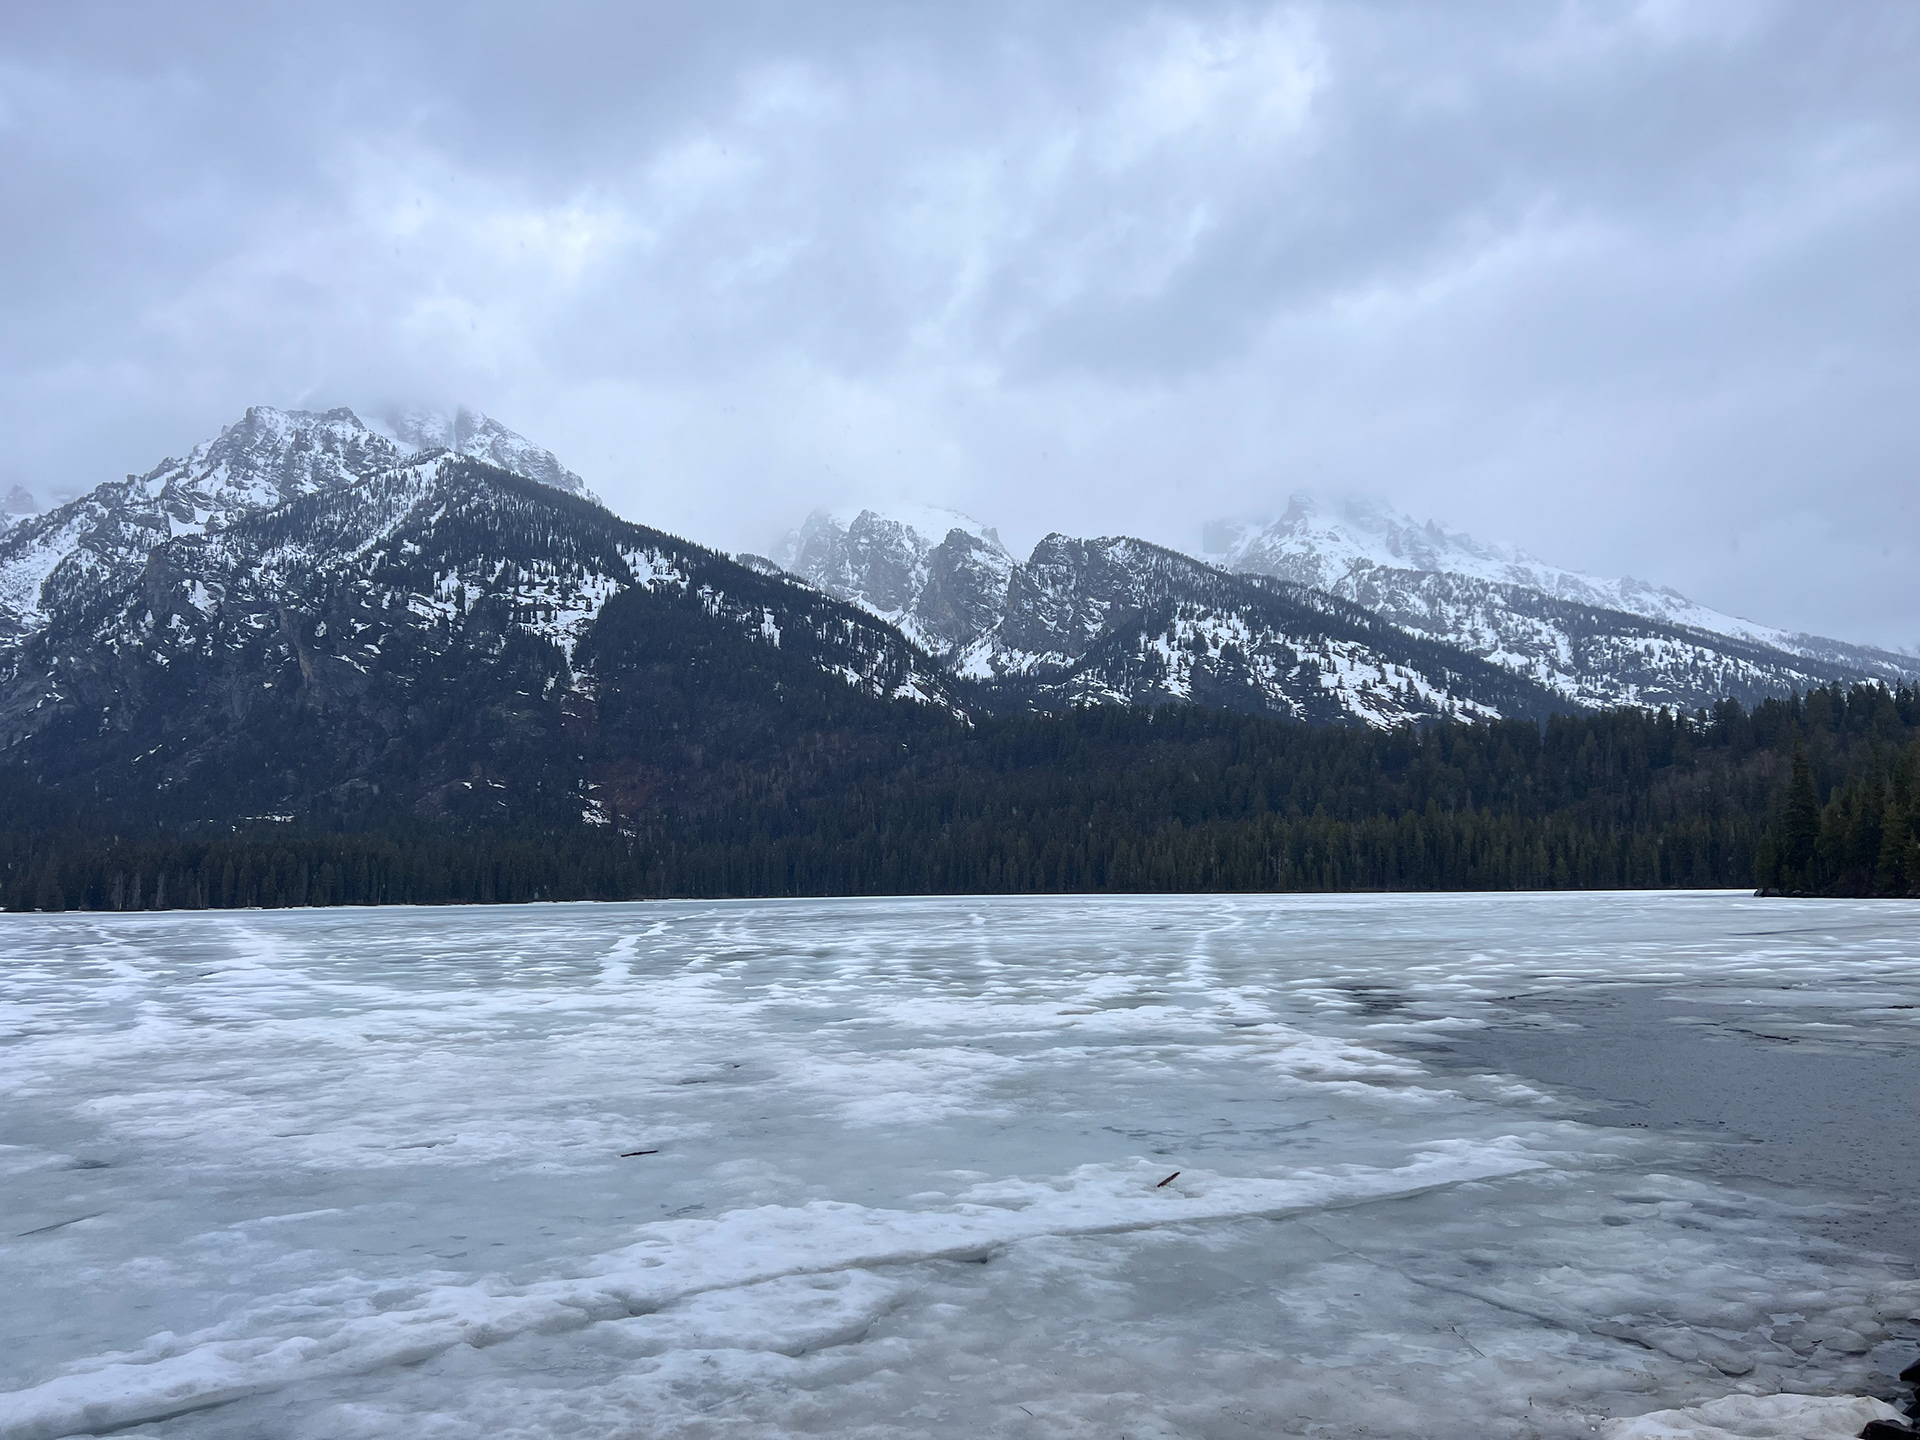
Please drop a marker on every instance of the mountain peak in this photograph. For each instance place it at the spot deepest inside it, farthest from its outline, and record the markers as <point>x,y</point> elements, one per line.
<point>1321,543</point>
<point>938,574</point>
<point>920,526</point>
<point>265,459</point>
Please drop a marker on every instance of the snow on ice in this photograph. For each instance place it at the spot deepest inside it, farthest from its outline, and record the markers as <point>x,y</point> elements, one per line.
<point>894,1167</point>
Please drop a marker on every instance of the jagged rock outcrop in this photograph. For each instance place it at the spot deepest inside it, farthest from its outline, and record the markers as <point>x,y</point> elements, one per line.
<point>938,575</point>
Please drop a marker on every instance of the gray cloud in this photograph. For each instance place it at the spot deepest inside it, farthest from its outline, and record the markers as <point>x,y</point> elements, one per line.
<point>1629,285</point>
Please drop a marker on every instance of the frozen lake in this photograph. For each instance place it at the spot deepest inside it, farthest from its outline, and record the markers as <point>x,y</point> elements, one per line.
<point>1448,1166</point>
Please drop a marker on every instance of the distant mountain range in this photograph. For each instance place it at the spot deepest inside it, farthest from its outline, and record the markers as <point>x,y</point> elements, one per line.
<point>1122,621</point>
<point>1265,608</point>
<point>310,616</point>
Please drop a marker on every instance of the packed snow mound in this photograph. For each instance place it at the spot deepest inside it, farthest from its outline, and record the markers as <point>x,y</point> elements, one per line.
<point>467,432</point>
<point>1757,1417</point>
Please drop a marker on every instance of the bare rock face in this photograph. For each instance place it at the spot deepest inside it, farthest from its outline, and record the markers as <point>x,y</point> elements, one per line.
<point>965,589</point>
<point>938,575</point>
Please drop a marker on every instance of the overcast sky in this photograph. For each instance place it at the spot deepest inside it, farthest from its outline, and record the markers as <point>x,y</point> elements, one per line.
<point>1634,286</point>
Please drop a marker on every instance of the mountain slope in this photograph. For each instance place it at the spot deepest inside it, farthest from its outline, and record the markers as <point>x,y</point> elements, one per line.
<point>1317,545</point>
<point>1590,655</point>
<point>101,540</point>
<point>1121,621</point>
<point>1601,642</point>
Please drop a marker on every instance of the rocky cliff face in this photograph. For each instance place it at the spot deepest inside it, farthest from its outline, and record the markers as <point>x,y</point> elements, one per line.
<point>938,575</point>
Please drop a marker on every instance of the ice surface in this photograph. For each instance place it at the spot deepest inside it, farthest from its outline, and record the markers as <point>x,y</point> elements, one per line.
<point>369,1173</point>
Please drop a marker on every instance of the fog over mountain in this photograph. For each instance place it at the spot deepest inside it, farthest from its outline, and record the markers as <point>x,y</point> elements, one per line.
<point>1628,287</point>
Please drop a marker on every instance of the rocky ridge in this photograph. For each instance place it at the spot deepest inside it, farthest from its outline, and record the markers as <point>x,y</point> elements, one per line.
<point>1122,621</point>
<point>1311,616</point>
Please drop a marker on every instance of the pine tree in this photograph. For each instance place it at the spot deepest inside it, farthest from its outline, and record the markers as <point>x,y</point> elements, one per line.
<point>1890,874</point>
<point>1800,823</point>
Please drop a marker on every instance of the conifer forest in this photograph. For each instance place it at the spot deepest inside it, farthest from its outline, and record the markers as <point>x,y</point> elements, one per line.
<point>1813,795</point>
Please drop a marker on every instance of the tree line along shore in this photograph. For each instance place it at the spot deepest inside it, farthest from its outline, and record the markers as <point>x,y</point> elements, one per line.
<point>1808,795</point>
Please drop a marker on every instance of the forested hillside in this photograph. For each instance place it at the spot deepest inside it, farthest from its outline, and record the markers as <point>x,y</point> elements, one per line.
<point>867,796</point>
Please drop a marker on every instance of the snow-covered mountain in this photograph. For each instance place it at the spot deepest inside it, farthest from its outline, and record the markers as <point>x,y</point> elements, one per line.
<point>16,502</point>
<point>1597,641</point>
<point>303,601</point>
<point>1118,620</point>
<point>1122,620</point>
<point>98,542</point>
